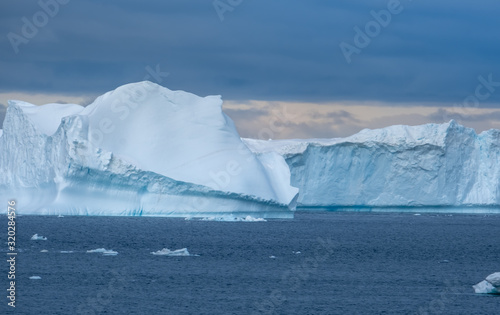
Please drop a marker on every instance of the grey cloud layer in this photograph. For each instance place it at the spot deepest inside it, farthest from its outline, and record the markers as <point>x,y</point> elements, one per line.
<point>269,50</point>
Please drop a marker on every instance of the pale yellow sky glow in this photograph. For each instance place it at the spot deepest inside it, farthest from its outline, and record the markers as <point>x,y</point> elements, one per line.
<point>284,120</point>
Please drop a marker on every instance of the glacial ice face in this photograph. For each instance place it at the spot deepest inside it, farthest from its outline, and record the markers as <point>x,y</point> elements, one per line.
<point>433,165</point>
<point>138,150</point>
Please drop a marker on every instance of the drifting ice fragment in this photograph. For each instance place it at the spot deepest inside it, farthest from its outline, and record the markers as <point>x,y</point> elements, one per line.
<point>44,251</point>
<point>35,278</point>
<point>177,252</point>
<point>489,286</point>
<point>104,251</point>
<point>37,237</point>
<point>99,250</point>
<point>66,252</point>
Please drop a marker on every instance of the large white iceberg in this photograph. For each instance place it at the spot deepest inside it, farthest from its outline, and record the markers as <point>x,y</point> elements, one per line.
<point>141,149</point>
<point>433,166</point>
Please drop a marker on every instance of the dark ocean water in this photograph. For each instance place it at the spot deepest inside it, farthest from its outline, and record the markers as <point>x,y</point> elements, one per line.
<point>349,263</point>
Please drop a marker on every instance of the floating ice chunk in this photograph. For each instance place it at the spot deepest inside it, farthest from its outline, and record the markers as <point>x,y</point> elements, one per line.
<point>37,237</point>
<point>44,251</point>
<point>252,219</point>
<point>60,216</point>
<point>66,252</point>
<point>177,252</point>
<point>489,286</point>
<point>297,253</point>
<point>272,257</point>
<point>494,279</point>
<point>35,278</point>
<point>104,251</point>
<point>484,287</point>
<point>99,250</point>
<point>230,218</point>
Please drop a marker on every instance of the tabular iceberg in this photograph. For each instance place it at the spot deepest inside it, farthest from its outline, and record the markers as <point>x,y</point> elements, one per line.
<point>141,149</point>
<point>433,166</point>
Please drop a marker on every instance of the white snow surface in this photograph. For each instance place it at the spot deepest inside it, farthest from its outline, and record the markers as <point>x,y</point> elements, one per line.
<point>431,166</point>
<point>141,149</point>
<point>494,279</point>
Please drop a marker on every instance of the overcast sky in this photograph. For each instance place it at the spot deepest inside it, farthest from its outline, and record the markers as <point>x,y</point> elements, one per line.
<point>415,62</point>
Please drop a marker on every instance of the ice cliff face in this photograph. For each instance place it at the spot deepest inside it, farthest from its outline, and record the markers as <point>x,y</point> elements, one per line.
<point>138,150</point>
<point>437,165</point>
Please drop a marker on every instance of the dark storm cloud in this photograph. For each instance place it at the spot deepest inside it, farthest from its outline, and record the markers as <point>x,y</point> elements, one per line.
<point>273,50</point>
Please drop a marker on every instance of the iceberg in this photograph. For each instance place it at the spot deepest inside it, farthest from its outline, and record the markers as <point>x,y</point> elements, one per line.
<point>433,167</point>
<point>177,252</point>
<point>140,150</point>
<point>37,237</point>
<point>491,285</point>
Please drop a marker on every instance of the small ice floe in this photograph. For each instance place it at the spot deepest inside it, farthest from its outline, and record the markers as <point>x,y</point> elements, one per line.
<point>104,251</point>
<point>66,252</point>
<point>297,253</point>
<point>272,257</point>
<point>60,216</point>
<point>35,278</point>
<point>417,214</point>
<point>44,251</point>
<point>444,261</point>
<point>491,285</point>
<point>37,237</point>
<point>248,218</point>
<point>177,252</point>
